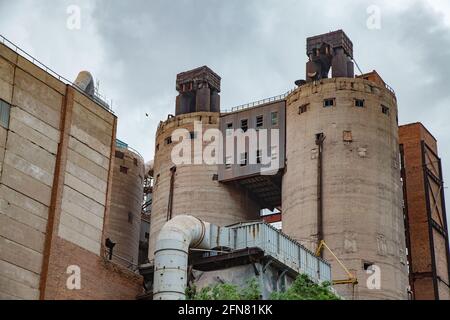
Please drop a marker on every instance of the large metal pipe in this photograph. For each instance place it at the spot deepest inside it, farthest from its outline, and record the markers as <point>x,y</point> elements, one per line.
<point>171,254</point>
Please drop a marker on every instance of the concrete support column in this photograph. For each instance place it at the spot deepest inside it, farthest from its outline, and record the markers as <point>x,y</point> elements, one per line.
<point>58,183</point>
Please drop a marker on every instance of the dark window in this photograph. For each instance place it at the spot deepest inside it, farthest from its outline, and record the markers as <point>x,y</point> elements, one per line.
<point>328,103</point>
<point>215,177</point>
<point>230,125</point>
<point>359,103</point>
<point>120,155</point>
<point>244,125</point>
<point>157,179</point>
<point>130,217</point>
<point>367,265</point>
<point>244,159</point>
<point>303,109</point>
<point>157,147</point>
<point>259,121</point>
<point>274,118</point>
<point>385,110</point>
<point>193,135</point>
<point>135,161</point>
<point>4,114</point>
<point>147,235</point>
<point>124,169</point>
<point>169,140</point>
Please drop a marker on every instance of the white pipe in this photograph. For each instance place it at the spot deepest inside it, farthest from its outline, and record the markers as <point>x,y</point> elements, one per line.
<point>171,254</point>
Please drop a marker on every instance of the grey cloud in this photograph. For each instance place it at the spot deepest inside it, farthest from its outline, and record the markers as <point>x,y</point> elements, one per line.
<point>137,47</point>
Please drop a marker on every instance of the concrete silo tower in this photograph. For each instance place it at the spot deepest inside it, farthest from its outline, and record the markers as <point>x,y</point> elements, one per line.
<point>193,188</point>
<point>342,183</point>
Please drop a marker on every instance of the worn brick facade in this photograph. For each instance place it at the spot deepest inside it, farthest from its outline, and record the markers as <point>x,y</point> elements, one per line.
<point>426,225</point>
<point>100,279</point>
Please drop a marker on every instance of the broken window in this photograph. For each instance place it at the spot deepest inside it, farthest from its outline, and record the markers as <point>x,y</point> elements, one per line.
<point>4,114</point>
<point>169,140</point>
<point>359,103</point>
<point>303,109</point>
<point>385,110</point>
<point>367,265</point>
<point>327,103</point>
<point>124,169</point>
<point>259,121</point>
<point>244,125</point>
<point>119,154</point>
<point>348,136</point>
<point>274,118</point>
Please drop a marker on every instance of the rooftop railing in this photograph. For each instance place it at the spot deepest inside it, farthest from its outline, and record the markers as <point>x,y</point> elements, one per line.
<point>98,98</point>
<point>259,102</point>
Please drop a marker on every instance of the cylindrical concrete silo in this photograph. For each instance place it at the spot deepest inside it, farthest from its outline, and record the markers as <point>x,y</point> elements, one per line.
<point>126,203</point>
<point>192,189</point>
<point>347,193</point>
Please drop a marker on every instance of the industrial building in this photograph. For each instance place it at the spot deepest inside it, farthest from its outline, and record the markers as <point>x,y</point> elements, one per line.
<point>358,196</point>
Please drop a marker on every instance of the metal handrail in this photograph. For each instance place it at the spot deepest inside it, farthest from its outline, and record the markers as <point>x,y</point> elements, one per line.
<point>259,102</point>
<point>53,73</point>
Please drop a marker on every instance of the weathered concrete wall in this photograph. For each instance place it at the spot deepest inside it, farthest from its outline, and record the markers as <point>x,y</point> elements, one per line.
<point>86,176</point>
<point>55,182</point>
<point>126,206</point>
<point>195,191</point>
<point>29,155</point>
<point>362,194</point>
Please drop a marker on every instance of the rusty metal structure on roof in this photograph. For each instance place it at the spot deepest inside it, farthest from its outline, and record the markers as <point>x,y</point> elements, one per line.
<point>198,91</point>
<point>331,50</point>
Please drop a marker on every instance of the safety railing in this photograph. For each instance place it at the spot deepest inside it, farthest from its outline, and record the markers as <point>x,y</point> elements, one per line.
<point>258,103</point>
<point>100,99</point>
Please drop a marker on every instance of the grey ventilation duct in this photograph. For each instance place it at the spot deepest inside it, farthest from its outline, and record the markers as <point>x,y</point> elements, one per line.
<point>85,82</point>
<point>172,250</point>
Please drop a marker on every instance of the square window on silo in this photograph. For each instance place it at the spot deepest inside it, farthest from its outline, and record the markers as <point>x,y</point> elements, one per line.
<point>359,103</point>
<point>385,109</point>
<point>328,103</point>
<point>348,136</point>
<point>303,109</point>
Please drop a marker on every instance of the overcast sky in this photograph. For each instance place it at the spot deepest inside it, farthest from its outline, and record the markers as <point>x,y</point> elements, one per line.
<point>136,48</point>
